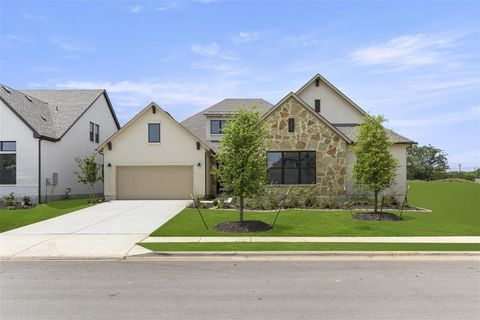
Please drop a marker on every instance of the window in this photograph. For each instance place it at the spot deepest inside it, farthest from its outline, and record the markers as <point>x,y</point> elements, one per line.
<point>217,126</point>
<point>97,133</point>
<point>291,125</point>
<point>91,131</point>
<point>154,132</point>
<point>8,162</point>
<point>317,105</point>
<point>291,167</point>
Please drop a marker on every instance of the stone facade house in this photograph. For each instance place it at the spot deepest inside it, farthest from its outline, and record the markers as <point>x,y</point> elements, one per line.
<point>311,135</point>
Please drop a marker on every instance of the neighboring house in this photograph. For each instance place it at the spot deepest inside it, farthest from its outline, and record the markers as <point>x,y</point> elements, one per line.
<point>312,133</point>
<point>42,131</point>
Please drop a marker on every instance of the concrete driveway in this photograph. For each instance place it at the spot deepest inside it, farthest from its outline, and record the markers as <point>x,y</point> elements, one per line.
<point>107,230</point>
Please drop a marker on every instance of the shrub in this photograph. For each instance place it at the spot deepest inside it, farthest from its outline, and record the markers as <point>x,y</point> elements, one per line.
<point>9,200</point>
<point>26,200</point>
<point>215,202</point>
<point>310,200</point>
<point>391,201</point>
<point>292,200</point>
<point>329,203</point>
<point>272,200</point>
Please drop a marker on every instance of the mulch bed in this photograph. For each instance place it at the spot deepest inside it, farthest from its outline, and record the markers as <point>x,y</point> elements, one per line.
<point>242,227</point>
<point>385,216</point>
<point>367,207</point>
<point>18,205</point>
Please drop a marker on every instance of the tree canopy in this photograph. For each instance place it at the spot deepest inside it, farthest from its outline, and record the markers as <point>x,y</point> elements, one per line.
<point>425,162</point>
<point>375,167</point>
<point>242,158</point>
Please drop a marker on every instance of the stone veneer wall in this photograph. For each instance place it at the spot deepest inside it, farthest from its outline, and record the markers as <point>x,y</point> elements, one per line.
<point>311,134</point>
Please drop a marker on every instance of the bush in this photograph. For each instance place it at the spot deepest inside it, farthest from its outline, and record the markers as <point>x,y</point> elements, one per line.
<point>273,200</point>
<point>292,200</point>
<point>391,201</point>
<point>329,203</point>
<point>215,202</point>
<point>26,200</point>
<point>9,200</point>
<point>310,200</point>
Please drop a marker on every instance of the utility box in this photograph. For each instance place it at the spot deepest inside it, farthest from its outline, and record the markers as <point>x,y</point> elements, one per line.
<point>55,178</point>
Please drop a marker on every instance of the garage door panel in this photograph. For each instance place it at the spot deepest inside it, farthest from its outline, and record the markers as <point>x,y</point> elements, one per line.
<point>154,182</point>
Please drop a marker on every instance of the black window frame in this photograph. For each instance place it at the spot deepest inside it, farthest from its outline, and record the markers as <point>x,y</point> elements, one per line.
<point>150,140</point>
<point>318,105</point>
<point>91,130</point>
<point>299,166</point>
<point>97,133</point>
<point>222,124</point>
<point>2,146</point>
<point>13,174</point>
<point>291,124</point>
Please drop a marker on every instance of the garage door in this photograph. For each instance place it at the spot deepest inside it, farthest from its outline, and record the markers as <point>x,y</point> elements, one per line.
<point>154,182</point>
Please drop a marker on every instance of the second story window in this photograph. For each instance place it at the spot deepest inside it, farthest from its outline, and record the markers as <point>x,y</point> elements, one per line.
<point>97,133</point>
<point>291,125</point>
<point>217,126</point>
<point>317,105</point>
<point>154,132</point>
<point>92,125</point>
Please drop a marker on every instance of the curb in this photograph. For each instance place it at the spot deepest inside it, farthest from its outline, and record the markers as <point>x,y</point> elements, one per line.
<point>306,255</point>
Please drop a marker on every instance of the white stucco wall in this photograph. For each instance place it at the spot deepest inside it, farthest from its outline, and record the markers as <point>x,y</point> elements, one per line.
<point>398,189</point>
<point>131,147</point>
<point>59,156</point>
<point>13,129</point>
<point>332,106</point>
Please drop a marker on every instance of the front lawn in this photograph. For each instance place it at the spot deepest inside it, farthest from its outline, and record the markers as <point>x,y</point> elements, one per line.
<point>312,246</point>
<point>12,219</point>
<point>455,212</point>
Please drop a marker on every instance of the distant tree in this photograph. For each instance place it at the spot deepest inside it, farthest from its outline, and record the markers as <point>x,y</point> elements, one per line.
<point>89,172</point>
<point>375,167</point>
<point>426,162</point>
<point>242,158</point>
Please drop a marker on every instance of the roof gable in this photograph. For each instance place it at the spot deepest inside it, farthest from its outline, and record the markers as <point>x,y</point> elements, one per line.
<point>334,89</point>
<point>148,108</point>
<point>309,109</point>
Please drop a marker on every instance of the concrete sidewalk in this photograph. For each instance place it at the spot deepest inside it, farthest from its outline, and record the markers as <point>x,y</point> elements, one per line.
<point>453,239</point>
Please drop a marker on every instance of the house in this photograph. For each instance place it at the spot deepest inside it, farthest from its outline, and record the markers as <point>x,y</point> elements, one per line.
<point>311,136</point>
<point>42,131</point>
<point>154,157</point>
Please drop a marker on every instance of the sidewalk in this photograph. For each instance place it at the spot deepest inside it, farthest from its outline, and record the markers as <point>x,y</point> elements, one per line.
<point>453,239</point>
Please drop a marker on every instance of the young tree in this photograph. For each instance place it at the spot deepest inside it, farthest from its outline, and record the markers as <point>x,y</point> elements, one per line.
<point>89,172</point>
<point>425,161</point>
<point>242,159</point>
<point>375,166</point>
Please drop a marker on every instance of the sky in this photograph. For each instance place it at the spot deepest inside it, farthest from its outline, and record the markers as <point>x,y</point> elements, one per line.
<point>415,62</point>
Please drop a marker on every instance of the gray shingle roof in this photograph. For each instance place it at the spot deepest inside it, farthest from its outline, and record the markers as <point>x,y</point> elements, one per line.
<point>49,112</point>
<point>197,124</point>
<point>351,131</point>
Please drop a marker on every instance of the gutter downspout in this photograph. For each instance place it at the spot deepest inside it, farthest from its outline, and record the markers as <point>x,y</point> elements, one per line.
<point>39,170</point>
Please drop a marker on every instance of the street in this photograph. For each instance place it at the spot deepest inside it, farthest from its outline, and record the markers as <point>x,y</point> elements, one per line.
<point>239,290</point>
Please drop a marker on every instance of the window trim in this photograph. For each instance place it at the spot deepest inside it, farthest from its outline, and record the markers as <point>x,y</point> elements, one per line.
<point>222,124</point>
<point>159,132</point>
<point>91,130</point>
<point>299,168</point>
<point>319,107</point>
<point>97,133</point>
<point>291,124</point>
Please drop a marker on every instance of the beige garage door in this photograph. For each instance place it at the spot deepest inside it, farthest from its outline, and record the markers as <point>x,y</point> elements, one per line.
<point>154,182</point>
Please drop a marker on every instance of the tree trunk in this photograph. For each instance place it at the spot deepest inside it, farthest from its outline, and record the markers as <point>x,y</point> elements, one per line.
<point>241,208</point>
<point>375,202</point>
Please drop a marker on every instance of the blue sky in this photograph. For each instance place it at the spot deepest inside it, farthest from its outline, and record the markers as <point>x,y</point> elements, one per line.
<point>415,62</point>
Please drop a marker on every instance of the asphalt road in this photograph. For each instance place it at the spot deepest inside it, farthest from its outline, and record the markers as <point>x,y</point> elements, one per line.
<point>239,290</point>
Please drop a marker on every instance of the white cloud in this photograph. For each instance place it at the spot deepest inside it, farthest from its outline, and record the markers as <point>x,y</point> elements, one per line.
<point>15,38</point>
<point>246,36</point>
<point>405,51</point>
<point>213,50</point>
<point>67,46</point>
<point>223,69</point>
<point>470,114</point>
<point>302,40</point>
<point>166,5</point>
<point>136,9</point>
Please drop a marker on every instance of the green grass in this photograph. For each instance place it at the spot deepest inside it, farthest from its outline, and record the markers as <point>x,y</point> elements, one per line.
<point>12,219</point>
<point>313,246</point>
<point>455,212</point>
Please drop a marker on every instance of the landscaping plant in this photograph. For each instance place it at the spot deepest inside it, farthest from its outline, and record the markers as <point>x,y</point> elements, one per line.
<point>242,158</point>
<point>26,200</point>
<point>89,173</point>
<point>9,200</point>
<point>375,167</point>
